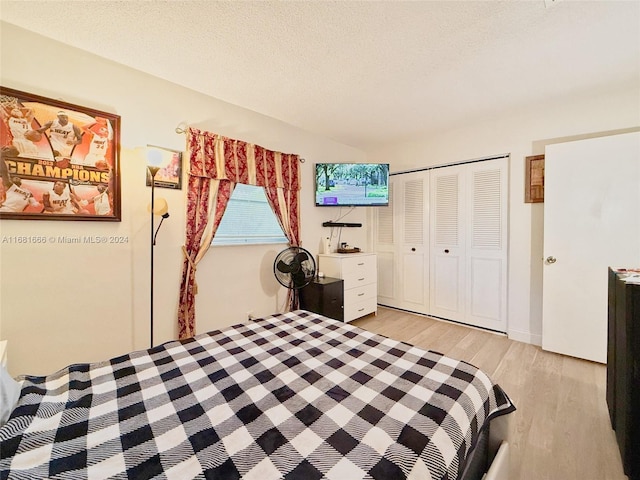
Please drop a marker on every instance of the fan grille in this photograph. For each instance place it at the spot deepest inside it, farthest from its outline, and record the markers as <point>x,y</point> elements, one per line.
<point>294,267</point>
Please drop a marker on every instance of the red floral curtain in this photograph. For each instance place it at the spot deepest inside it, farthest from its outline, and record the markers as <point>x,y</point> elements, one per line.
<point>216,164</point>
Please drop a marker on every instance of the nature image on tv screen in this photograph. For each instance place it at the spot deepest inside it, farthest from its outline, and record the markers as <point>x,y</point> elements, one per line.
<point>339,184</point>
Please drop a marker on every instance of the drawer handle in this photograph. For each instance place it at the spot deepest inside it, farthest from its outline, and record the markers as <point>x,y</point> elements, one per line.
<point>361,279</point>
<point>360,294</point>
<point>360,264</point>
<point>361,309</point>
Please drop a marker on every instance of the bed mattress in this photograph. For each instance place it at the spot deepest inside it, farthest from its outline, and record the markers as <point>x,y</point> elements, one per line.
<point>293,396</point>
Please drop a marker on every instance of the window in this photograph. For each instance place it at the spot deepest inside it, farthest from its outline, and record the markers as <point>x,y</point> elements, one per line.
<point>248,219</point>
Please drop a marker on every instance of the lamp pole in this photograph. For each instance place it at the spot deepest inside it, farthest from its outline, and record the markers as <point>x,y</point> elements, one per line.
<point>152,171</point>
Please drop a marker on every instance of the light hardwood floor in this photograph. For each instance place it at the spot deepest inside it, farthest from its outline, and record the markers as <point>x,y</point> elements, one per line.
<point>561,428</point>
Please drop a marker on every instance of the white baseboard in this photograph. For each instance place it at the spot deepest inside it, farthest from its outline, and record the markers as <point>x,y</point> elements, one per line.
<point>526,337</point>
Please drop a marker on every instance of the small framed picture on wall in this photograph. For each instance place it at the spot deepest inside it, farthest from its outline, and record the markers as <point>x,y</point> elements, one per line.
<point>534,179</point>
<point>59,161</point>
<point>170,173</point>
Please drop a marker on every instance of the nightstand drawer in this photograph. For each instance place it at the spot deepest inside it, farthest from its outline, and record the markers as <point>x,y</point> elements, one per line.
<point>358,281</point>
<point>358,267</point>
<point>359,309</point>
<point>361,293</point>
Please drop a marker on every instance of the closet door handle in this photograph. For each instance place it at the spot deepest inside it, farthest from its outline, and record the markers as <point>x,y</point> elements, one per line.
<point>413,249</point>
<point>446,250</point>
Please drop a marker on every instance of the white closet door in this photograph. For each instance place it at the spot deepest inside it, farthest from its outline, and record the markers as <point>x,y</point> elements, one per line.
<point>447,243</point>
<point>401,242</point>
<point>442,247</point>
<point>414,247</point>
<point>591,222</point>
<point>384,244</point>
<point>486,252</point>
<point>469,232</point>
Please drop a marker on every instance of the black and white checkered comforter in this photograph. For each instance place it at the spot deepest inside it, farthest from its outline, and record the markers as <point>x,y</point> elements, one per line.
<point>293,396</point>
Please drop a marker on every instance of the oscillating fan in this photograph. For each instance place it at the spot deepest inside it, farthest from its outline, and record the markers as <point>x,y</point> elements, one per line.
<point>294,268</point>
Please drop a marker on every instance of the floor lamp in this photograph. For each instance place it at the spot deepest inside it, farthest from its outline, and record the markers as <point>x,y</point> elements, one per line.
<point>160,209</point>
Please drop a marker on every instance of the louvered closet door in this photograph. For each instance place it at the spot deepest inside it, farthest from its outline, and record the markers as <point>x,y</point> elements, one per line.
<point>401,242</point>
<point>447,243</point>
<point>486,252</point>
<point>414,247</point>
<point>469,243</point>
<point>384,244</point>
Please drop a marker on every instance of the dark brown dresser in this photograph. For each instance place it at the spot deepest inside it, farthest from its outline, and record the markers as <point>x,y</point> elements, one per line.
<point>623,366</point>
<point>324,295</point>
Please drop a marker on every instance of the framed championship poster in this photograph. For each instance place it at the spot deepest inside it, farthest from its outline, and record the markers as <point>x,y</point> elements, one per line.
<point>58,161</point>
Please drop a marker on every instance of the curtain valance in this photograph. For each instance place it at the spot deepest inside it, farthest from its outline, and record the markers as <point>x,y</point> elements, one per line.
<point>221,158</point>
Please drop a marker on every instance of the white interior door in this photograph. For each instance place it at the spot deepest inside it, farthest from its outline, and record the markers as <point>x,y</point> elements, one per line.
<point>448,243</point>
<point>591,222</point>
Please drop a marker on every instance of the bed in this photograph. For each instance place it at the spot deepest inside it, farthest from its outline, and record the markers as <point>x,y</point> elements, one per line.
<point>289,396</point>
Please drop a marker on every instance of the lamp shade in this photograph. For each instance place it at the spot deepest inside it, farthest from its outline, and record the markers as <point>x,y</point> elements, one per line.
<point>154,156</point>
<point>160,206</point>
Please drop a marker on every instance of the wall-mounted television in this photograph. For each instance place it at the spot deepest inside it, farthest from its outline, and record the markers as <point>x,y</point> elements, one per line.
<point>352,184</point>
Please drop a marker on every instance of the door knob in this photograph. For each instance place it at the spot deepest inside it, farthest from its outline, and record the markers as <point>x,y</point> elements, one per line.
<point>551,260</point>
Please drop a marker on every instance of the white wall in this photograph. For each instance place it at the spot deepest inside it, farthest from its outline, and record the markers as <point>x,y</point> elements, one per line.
<point>61,304</point>
<point>523,133</point>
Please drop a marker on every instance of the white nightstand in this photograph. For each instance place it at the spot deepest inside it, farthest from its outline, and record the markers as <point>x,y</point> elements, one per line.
<point>360,275</point>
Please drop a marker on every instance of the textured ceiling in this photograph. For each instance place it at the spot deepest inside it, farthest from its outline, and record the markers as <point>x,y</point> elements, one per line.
<point>366,72</point>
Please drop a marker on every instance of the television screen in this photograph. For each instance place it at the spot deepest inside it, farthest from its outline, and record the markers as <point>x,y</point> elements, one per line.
<point>352,184</point>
